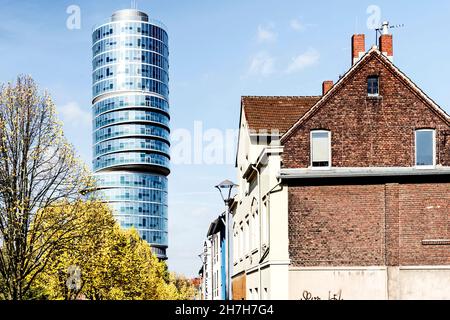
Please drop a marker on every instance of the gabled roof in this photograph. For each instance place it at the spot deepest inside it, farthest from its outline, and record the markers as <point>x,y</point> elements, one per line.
<point>275,113</point>
<point>374,52</point>
<point>216,226</point>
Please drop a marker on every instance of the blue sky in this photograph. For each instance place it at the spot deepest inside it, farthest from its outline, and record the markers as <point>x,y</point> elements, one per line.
<point>219,51</point>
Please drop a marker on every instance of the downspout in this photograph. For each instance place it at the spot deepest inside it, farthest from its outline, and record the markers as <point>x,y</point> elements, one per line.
<point>260,233</point>
<point>269,216</point>
<point>268,206</point>
<point>255,168</point>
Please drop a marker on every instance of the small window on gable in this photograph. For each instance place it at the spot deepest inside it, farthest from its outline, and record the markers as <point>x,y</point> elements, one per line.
<point>321,149</point>
<point>425,148</point>
<point>373,86</point>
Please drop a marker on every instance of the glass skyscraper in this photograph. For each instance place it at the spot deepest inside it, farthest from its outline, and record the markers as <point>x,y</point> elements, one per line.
<point>131,122</point>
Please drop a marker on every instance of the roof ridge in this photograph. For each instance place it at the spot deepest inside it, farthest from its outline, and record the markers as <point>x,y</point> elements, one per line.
<point>277,97</point>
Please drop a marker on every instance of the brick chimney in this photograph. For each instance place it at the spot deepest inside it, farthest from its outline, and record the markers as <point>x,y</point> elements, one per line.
<point>358,47</point>
<point>386,42</point>
<point>326,86</point>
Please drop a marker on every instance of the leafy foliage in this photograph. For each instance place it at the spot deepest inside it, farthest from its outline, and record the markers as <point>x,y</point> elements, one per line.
<point>113,264</point>
<point>56,242</point>
<point>38,168</point>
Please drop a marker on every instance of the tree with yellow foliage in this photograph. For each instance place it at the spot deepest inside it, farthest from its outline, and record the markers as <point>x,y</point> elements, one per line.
<point>184,287</point>
<point>38,168</point>
<point>107,263</point>
<point>57,242</point>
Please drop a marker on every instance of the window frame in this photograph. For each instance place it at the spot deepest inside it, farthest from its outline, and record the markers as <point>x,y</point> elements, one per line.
<point>377,77</point>
<point>311,144</point>
<point>433,166</point>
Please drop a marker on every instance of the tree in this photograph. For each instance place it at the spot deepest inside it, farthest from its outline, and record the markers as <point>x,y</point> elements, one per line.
<point>76,266</point>
<point>105,263</point>
<point>184,287</point>
<point>38,169</point>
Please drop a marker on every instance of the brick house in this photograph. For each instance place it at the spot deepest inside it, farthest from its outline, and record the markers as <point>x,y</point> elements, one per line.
<point>346,195</point>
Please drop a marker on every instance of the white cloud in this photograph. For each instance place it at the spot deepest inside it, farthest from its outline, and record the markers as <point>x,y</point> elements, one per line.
<point>72,114</point>
<point>266,34</point>
<point>262,64</point>
<point>296,25</point>
<point>307,59</point>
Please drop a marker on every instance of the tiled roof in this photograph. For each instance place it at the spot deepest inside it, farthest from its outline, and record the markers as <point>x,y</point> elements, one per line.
<point>275,113</point>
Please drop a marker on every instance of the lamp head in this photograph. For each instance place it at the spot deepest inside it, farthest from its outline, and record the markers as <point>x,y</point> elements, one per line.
<point>225,188</point>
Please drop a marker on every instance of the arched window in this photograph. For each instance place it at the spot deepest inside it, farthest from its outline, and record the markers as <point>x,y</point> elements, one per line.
<point>254,226</point>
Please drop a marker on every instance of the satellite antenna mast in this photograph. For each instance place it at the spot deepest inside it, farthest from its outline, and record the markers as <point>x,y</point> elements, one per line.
<point>384,29</point>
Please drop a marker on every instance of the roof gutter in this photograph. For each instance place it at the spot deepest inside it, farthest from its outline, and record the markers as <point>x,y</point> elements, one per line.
<point>290,174</point>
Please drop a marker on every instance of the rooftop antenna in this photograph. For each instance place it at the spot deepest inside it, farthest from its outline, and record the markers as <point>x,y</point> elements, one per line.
<point>384,29</point>
<point>133,4</point>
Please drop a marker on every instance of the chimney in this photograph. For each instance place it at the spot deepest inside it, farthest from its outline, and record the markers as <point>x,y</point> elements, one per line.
<point>386,42</point>
<point>358,47</point>
<point>326,86</point>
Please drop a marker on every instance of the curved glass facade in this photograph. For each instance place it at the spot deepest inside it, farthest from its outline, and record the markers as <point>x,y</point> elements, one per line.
<point>130,89</point>
<point>130,144</point>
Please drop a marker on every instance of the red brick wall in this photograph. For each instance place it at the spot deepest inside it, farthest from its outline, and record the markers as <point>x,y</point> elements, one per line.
<point>392,223</point>
<point>368,132</point>
<point>368,225</point>
<point>424,215</point>
<point>336,225</point>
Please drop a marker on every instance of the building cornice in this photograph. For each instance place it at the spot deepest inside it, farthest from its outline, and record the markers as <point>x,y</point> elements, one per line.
<point>262,159</point>
<point>307,173</point>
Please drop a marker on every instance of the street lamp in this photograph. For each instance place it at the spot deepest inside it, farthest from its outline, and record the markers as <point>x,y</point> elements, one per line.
<point>225,188</point>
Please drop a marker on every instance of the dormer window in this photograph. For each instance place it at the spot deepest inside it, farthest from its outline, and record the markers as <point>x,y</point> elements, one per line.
<point>373,86</point>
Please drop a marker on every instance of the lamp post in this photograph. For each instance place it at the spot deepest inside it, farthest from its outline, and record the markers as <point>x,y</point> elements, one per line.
<point>225,188</point>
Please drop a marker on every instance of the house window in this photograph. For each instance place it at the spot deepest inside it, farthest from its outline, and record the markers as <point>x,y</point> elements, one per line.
<point>373,83</point>
<point>321,149</point>
<point>265,294</point>
<point>216,248</point>
<point>265,225</point>
<point>252,233</point>
<point>241,243</point>
<point>250,226</point>
<point>248,245</point>
<point>252,184</point>
<point>235,252</point>
<point>425,148</point>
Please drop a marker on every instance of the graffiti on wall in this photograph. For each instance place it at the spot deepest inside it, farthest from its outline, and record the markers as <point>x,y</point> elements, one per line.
<point>307,295</point>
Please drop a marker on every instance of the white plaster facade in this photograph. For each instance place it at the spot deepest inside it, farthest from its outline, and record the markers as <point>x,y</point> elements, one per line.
<point>260,226</point>
<point>207,272</point>
<point>370,283</point>
<point>216,258</point>
<point>213,281</point>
